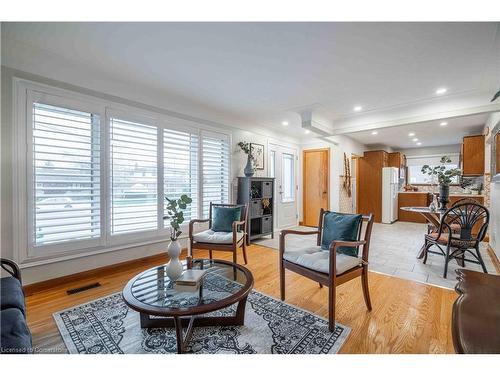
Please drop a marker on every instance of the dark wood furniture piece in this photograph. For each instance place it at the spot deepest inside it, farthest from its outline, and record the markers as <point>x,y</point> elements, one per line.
<point>239,234</point>
<point>476,313</point>
<point>370,183</point>
<point>254,191</point>
<point>473,155</point>
<point>151,293</point>
<point>458,242</point>
<point>331,279</point>
<point>412,199</point>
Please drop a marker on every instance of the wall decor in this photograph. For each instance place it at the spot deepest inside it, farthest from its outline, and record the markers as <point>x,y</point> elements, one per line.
<point>257,152</point>
<point>347,176</point>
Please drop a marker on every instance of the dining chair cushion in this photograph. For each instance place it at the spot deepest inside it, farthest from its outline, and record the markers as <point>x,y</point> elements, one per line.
<point>455,242</point>
<point>317,259</point>
<point>210,236</point>
<point>223,218</point>
<point>341,227</point>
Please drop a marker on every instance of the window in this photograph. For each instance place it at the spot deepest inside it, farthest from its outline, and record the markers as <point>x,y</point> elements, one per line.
<point>180,165</point>
<point>415,175</point>
<point>66,174</point>
<point>134,164</point>
<point>215,161</point>
<point>92,177</point>
<point>288,178</point>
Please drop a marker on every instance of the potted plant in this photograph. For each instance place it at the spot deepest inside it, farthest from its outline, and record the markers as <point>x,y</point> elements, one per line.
<point>250,167</point>
<point>175,213</point>
<point>445,177</point>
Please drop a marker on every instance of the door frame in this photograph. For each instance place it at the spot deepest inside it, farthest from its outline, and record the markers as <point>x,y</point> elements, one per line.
<point>276,146</point>
<point>304,152</point>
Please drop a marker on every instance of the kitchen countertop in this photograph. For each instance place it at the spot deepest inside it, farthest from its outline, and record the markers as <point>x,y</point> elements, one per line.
<point>451,195</point>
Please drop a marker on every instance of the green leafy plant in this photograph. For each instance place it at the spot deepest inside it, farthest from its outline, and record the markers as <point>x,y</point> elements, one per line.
<point>496,96</point>
<point>245,147</point>
<point>445,176</point>
<point>175,213</point>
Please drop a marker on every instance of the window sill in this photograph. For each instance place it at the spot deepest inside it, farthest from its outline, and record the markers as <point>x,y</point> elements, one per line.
<point>34,262</point>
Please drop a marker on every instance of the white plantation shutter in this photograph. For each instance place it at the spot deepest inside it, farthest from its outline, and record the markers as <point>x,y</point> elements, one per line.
<point>180,168</point>
<point>66,174</point>
<point>215,175</point>
<point>133,186</point>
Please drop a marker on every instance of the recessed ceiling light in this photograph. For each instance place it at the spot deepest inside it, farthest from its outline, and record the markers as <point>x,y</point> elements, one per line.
<point>444,123</point>
<point>374,132</point>
<point>284,123</point>
<point>411,134</point>
<point>307,131</point>
<point>415,139</point>
<point>441,91</point>
<point>419,143</point>
<point>357,108</point>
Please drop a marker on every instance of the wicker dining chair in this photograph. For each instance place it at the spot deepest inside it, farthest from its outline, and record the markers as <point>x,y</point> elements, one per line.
<point>455,227</point>
<point>453,243</point>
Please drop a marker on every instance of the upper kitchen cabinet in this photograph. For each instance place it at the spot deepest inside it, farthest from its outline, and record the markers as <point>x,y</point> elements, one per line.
<point>398,160</point>
<point>473,155</point>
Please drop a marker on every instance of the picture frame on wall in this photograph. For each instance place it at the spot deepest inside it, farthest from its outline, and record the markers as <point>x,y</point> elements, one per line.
<point>257,150</point>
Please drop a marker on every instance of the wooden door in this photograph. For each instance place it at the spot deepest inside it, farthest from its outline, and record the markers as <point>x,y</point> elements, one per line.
<point>473,155</point>
<point>316,189</point>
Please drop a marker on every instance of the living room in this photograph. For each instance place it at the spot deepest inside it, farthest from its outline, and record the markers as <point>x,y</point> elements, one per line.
<point>346,201</point>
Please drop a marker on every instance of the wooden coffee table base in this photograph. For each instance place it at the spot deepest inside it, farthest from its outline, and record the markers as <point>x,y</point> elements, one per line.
<point>180,322</point>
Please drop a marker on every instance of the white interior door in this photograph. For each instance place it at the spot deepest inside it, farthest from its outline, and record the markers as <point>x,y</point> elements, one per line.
<point>283,166</point>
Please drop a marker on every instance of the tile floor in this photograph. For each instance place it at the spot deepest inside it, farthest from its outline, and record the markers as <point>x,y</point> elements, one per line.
<point>393,251</point>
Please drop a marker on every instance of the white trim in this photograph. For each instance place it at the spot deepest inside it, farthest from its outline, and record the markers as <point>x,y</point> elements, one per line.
<point>24,91</point>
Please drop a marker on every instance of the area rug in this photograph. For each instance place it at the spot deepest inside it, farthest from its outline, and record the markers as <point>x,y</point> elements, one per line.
<point>109,326</point>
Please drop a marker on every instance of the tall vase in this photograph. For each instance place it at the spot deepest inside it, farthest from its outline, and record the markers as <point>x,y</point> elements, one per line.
<point>174,267</point>
<point>249,171</point>
<point>444,196</point>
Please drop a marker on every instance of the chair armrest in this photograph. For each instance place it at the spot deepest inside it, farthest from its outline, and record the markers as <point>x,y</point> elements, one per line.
<point>14,270</point>
<point>336,244</point>
<point>193,222</point>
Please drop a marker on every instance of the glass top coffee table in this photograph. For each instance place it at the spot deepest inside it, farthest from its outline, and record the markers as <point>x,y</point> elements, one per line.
<point>153,295</point>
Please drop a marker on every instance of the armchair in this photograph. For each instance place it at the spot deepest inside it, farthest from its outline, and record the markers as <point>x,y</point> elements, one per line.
<point>329,267</point>
<point>220,240</point>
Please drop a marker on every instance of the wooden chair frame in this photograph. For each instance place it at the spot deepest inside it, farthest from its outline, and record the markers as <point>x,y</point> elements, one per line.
<point>332,280</point>
<point>231,247</point>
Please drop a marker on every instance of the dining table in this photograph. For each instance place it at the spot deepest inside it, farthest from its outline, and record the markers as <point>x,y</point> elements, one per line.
<point>433,217</point>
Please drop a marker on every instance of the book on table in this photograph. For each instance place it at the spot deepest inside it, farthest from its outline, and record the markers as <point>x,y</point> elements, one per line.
<point>191,278</point>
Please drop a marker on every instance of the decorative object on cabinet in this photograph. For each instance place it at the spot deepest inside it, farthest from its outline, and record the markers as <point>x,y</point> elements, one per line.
<point>249,167</point>
<point>258,193</point>
<point>347,176</point>
<point>445,178</point>
<point>257,152</point>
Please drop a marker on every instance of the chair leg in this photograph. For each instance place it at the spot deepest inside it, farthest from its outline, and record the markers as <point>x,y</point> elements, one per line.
<point>282,281</point>
<point>235,255</point>
<point>366,289</point>
<point>446,261</point>
<point>331,308</point>
<point>480,258</point>
<point>320,285</point>
<point>245,252</point>
<point>427,245</point>
<point>210,254</point>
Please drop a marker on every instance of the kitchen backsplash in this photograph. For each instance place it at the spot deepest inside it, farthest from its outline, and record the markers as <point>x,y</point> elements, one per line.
<point>455,189</point>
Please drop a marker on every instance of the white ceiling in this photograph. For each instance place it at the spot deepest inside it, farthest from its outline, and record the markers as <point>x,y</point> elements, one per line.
<point>265,72</point>
<point>429,133</point>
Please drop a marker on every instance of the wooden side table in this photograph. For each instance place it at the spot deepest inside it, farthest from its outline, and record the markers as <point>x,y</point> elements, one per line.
<point>476,313</point>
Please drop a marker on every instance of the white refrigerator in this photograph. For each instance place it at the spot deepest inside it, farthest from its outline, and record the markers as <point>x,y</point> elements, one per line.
<point>390,187</point>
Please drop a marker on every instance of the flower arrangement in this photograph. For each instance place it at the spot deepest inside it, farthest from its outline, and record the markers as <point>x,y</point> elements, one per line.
<point>175,213</point>
<point>445,176</point>
<point>247,150</point>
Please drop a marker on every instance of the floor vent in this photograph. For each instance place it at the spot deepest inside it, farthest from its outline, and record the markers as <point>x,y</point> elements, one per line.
<point>82,288</point>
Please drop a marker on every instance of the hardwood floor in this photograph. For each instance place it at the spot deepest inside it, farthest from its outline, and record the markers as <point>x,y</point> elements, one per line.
<point>407,317</point>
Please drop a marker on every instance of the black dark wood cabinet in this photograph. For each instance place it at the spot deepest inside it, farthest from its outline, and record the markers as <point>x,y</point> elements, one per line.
<point>258,192</point>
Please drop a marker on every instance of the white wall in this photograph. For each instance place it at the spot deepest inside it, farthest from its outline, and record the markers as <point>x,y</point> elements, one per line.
<point>35,273</point>
<point>341,144</point>
<point>493,123</point>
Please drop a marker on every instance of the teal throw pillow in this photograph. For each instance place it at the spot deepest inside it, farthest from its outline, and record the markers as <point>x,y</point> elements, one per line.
<point>223,218</point>
<point>341,227</point>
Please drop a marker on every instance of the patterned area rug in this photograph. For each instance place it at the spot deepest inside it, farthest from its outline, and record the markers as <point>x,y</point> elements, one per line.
<point>108,326</point>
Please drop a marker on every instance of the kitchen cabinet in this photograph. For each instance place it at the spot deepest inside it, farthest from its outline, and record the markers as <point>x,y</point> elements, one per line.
<point>369,195</point>
<point>472,155</point>
<point>413,199</point>
<point>398,160</point>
